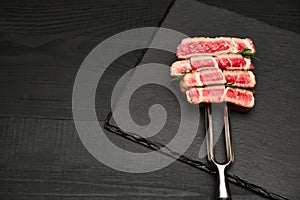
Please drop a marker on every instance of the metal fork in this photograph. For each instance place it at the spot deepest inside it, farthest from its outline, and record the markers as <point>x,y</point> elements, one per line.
<point>223,189</point>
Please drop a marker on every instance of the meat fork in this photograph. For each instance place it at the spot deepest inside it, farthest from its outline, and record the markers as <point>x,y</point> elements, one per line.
<point>223,189</point>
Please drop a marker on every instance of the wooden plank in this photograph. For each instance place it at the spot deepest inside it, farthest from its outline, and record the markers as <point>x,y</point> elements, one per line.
<point>44,158</point>
<point>43,45</point>
<point>90,18</point>
<point>38,73</point>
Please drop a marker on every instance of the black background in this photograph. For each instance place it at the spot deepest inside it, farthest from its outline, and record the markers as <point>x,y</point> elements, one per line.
<point>42,45</point>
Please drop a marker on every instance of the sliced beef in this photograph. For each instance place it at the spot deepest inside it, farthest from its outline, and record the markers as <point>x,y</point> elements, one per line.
<point>211,94</point>
<point>198,63</point>
<point>212,46</point>
<point>179,68</point>
<point>244,79</point>
<point>217,94</point>
<point>203,62</point>
<point>240,97</point>
<point>212,76</point>
<point>233,62</point>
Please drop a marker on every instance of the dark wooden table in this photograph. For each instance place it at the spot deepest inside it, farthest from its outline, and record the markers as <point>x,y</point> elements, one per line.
<point>42,46</point>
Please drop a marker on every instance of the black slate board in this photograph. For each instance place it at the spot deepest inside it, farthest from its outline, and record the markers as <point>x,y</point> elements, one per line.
<point>265,140</point>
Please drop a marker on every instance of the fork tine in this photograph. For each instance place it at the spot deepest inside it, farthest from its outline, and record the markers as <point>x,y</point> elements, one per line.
<point>229,153</point>
<point>209,132</point>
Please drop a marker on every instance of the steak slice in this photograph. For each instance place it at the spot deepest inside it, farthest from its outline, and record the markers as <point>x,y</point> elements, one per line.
<point>211,94</point>
<point>233,62</point>
<point>240,97</point>
<point>202,62</point>
<point>179,68</point>
<point>218,94</point>
<point>212,46</point>
<point>244,79</point>
<point>224,62</point>
<point>212,76</point>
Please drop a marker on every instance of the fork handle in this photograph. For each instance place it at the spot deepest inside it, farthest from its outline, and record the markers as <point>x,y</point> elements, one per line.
<point>223,186</point>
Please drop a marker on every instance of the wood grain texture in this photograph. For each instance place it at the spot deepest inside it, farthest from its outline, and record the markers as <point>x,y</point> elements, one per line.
<point>44,158</point>
<point>38,73</point>
<point>48,160</point>
<point>80,18</point>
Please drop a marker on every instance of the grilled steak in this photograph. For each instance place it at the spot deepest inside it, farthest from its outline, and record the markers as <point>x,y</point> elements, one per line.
<point>212,46</point>
<point>240,97</point>
<point>234,62</point>
<point>244,79</point>
<point>216,70</point>
<point>212,76</point>
<point>218,94</point>
<point>211,94</point>
<point>224,62</point>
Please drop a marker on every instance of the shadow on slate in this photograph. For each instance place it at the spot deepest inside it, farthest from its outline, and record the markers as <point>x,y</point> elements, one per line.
<point>265,139</point>
<point>281,13</point>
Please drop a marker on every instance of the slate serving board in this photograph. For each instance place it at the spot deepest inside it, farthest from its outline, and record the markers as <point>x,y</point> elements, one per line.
<point>265,140</point>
